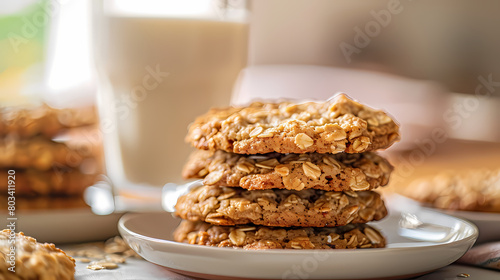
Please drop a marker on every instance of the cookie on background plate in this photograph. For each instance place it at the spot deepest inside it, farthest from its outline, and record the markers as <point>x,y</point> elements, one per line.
<point>28,121</point>
<point>337,125</point>
<point>258,237</point>
<point>34,260</point>
<point>40,153</point>
<point>58,181</point>
<point>279,208</point>
<point>339,172</point>
<point>474,190</point>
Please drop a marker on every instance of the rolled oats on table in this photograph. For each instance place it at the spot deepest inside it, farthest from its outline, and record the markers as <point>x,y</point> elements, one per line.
<point>103,255</point>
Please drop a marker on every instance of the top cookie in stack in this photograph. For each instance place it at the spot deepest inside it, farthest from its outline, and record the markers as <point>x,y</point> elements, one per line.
<point>338,125</point>
<point>287,165</point>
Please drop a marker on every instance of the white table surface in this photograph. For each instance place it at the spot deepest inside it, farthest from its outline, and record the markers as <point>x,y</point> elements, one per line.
<point>136,269</point>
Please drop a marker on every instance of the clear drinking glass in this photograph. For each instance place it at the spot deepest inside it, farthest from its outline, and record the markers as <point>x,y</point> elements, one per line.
<point>160,64</point>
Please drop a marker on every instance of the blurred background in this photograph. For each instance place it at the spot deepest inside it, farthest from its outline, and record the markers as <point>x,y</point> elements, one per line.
<point>118,82</point>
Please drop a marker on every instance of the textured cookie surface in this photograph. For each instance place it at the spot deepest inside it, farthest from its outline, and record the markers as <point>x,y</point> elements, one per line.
<point>29,121</point>
<point>336,172</point>
<point>337,125</point>
<point>47,202</point>
<point>39,153</point>
<point>260,237</point>
<point>32,182</point>
<point>280,208</point>
<point>476,190</point>
<point>34,260</point>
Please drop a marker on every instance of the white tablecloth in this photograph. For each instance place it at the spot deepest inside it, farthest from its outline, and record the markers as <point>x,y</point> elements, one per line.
<point>136,269</point>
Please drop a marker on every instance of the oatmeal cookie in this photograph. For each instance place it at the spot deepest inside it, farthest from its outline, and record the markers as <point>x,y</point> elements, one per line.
<point>337,125</point>
<point>32,182</point>
<point>29,121</point>
<point>34,260</point>
<point>279,208</point>
<point>259,237</point>
<point>41,203</point>
<point>476,190</point>
<point>339,172</point>
<point>39,153</point>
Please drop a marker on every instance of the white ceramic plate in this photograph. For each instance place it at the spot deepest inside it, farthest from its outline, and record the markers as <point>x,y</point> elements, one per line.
<point>417,243</point>
<point>65,225</point>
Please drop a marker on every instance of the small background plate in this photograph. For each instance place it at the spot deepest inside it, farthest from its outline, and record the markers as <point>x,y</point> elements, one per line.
<point>65,225</point>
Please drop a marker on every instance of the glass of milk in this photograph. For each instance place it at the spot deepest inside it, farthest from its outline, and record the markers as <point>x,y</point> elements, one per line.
<point>161,64</point>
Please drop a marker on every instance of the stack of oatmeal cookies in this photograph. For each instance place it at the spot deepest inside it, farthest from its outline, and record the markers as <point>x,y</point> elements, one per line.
<point>39,154</point>
<point>285,175</point>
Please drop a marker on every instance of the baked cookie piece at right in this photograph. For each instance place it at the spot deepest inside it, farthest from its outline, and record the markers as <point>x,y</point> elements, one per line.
<point>336,125</point>
<point>338,172</point>
<point>279,208</point>
<point>350,236</point>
